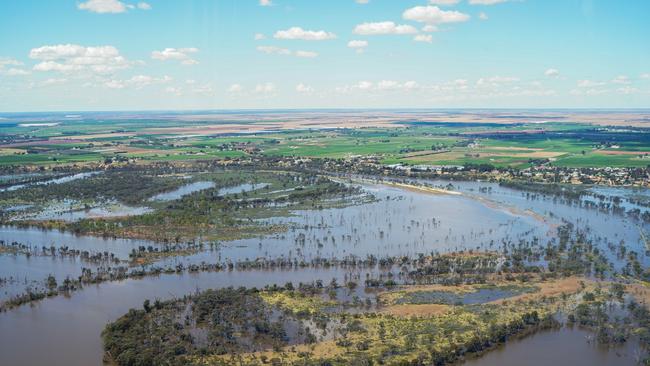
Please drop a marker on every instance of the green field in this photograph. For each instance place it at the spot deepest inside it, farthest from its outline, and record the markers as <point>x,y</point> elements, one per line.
<point>500,145</point>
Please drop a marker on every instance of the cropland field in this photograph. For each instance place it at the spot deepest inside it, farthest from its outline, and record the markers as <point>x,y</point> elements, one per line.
<point>409,140</point>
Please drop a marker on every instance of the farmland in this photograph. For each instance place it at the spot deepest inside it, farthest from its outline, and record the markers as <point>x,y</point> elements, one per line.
<point>393,141</point>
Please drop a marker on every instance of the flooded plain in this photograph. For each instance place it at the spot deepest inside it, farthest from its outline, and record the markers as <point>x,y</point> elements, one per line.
<point>485,216</point>
<point>570,346</point>
<point>182,191</point>
<point>66,211</point>
<point>398,223</point>
<point>58,180</point>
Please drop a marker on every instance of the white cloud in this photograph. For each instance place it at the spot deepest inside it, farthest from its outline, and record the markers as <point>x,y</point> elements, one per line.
<point>487,88</point>
<point>71,57</point>
<point>173,90</point>
<point>589,91</point>
<point>306,54</point>
<point>486,2</point>
<point>444,2</point>
<point>358,45</point>
<point>483,16</point>
<point>381,86</point>
<point>495,81</point>
<point>461,83</point>
<point>645,76</point>
<point>54,81</point>
<point>552,73</point>
<point>502,79</point>
<point>111,6</point>
<point>103,6</point>
<point>364,85</point>
<point>179,54</point>
<point>305,35</point>
<point>362,1</point>
<point>56,66</point>
<point>265,3</point>
<point>259,36</point>
<point>361,85</point>
<point>284,51</point>
<point>627,90</point>
<point>273,50</point>
<point>429,28</point>
<point>14,71</point>
<point>621,79</point>
<point>423,38</point>
<point>140,81</point>
<point>205,89</point>
<point>434,15</point>
<point>589,83</point>
<point>9,61</point>
<point>70,51</point>
<point>304,89</point>
<point>265,88</point>
<point>409,85</point>
<point>114,84</point>
<point>235,88</point>
<point>379,28</point>
<point>137,82</point>
<point>387,85</point>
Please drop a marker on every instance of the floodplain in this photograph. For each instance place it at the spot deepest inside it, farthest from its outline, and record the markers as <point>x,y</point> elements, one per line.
<point>330,247</point>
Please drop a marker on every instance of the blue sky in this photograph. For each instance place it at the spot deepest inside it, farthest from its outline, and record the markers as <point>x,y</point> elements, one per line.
<point>232,54</point>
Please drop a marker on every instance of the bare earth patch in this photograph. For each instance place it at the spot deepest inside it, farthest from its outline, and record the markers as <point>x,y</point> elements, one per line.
<point>552,288</point>
<point>640,291</point>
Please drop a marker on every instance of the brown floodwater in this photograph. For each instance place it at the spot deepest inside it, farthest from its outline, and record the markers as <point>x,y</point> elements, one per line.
<point>567,346</point>
<point>66,331</point>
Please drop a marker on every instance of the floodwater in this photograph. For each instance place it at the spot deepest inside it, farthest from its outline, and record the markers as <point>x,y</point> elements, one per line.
<point>239,189</point>
<point>31,271</point>
<point>479,296</point>
<point>59,180</point>
<point>182,191</point>
<point>567,346</point>
<point>603,228</point>
<point>61,211</point>
<point>66,331</point>
<point>398,223</point>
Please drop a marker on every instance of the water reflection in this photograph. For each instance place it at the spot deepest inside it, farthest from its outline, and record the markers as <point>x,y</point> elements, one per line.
<point>182,191</point>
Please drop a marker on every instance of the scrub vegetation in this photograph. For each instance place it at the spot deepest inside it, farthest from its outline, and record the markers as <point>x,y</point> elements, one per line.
<point>233,206</point>
<point>439,309</point>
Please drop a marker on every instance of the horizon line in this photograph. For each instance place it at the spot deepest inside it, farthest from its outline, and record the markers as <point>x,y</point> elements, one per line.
<point>360,109</point>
